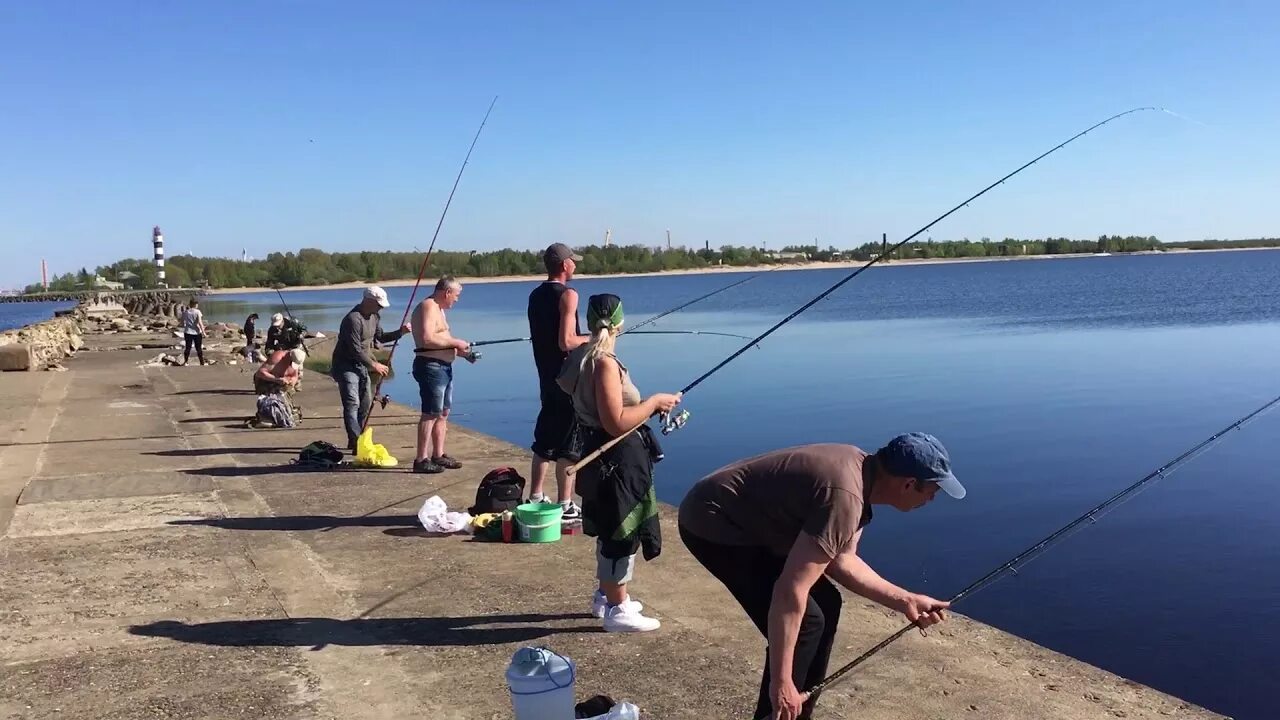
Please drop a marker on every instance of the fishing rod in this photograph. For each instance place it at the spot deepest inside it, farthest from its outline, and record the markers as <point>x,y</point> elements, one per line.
<point>1025,556</point>
<point>700,298</point>
<point>676,420</point>
<point>422,269</point>
<point>480,343</point>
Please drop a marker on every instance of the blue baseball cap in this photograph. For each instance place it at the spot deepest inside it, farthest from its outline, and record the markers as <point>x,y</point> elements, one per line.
<point>919,455</point>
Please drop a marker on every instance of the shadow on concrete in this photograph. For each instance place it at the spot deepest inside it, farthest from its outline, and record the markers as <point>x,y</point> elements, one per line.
<point>255,470</point>
<point>317,632</point>
<point>302,522</point>
<point>204,452</point>
<point>418,531</point>
<point>221,391</point>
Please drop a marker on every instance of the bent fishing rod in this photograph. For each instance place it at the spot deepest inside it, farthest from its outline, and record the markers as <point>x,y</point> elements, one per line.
<point>676,420</point>
<point>427,257</point>
<point>1022,558</point>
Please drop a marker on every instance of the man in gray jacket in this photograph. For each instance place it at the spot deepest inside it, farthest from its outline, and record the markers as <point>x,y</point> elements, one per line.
<point>353,358</point>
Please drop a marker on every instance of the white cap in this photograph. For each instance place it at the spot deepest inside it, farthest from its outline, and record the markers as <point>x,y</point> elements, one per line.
<point>277,319</point>
<point>373,292</point>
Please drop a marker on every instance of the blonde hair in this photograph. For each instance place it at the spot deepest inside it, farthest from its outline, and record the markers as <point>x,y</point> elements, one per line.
<point>602,342</point>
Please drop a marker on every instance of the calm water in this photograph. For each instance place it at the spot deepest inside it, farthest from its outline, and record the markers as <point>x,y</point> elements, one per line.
<point>15,315</point>
<point>1054,383</point>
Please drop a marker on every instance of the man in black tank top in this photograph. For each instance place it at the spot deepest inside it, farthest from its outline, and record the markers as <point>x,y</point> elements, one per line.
<point>554,332</point>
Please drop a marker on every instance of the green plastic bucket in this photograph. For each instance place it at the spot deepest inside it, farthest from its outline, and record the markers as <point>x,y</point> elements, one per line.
<point>539,522</point>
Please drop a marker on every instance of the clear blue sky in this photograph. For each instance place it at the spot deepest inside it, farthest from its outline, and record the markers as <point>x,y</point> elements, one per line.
<point>340,125</point>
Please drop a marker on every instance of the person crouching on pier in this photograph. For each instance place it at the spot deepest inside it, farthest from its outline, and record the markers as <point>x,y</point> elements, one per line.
<point>619,506</point>
<point>275,383</point>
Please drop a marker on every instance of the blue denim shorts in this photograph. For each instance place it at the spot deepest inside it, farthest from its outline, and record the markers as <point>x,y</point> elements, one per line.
<point>435,384</point>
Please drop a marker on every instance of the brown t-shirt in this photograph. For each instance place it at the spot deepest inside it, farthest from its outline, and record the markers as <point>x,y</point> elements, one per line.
<point>769,499</point>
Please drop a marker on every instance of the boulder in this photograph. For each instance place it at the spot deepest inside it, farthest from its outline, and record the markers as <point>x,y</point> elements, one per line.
<point>121,324</point>
<point>42,344</point>
<point>17,356</point>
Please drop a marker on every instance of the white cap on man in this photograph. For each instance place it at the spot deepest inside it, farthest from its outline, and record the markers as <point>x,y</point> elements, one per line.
<point>373,292</point>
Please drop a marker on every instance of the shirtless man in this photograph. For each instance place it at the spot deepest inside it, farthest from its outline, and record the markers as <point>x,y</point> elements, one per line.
<point>434,352</point>
<point>280,372</point>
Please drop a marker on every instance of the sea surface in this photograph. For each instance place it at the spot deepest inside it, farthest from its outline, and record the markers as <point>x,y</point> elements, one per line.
<point>16,314</point>
<point>1054,383</point>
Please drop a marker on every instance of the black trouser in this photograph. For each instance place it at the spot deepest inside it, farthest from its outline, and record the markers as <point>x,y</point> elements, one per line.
<point>749,574</point>
<point>198,342</point>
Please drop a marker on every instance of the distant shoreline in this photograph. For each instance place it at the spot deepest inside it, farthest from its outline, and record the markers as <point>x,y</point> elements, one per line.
<point>717,269</point>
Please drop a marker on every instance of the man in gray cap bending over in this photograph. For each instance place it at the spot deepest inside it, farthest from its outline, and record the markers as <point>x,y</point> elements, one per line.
<point>777,528</point>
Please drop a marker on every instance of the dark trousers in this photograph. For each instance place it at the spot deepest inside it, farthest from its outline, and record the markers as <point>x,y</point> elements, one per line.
<point>196,341</point>
<point>749,573</point>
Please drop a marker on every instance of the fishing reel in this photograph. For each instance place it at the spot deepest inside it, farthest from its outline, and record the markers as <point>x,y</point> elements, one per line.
<point>672,423</point>
<point>470,355</point>
<point>291,333</point>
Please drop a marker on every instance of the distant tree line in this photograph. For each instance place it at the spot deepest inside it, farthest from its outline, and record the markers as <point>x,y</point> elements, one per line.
<point>310,266</point>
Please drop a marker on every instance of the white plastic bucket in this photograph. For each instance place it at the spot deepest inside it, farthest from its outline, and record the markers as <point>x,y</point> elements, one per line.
<point>541,683</point>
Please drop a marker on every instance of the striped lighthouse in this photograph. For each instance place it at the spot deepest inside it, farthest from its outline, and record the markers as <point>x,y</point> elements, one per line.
<point>157,243</point>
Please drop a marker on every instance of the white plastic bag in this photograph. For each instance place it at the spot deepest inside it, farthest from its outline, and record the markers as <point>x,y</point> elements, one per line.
<point>622,711</point>
<point>435,517</point>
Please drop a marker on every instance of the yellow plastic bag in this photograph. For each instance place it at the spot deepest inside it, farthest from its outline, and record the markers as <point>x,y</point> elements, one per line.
<point>372,454</point>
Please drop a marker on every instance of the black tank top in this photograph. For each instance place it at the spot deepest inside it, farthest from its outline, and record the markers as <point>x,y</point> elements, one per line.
<point>544,329</point>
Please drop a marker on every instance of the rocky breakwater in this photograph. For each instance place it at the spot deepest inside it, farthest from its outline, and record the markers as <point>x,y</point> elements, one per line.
<point>41,346</point>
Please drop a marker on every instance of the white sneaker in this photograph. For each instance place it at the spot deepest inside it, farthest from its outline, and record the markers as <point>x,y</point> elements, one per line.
<point>571,511</point>
<point>624,619</point>
<point>599,604</point>
<point>535,499</point>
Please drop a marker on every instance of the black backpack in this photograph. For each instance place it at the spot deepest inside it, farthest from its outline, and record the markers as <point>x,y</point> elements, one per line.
<point>501,489</point>
<point>319,454</point>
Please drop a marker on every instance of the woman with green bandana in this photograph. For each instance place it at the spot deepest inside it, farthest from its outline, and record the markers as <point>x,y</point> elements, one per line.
<point>619,507</point>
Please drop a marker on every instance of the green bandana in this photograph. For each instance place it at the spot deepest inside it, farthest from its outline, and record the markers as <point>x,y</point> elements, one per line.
<point>604,311</point>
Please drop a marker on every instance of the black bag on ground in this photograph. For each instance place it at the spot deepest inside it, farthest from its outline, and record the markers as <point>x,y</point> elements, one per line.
<point>501,489</point>
<point>319,454</point>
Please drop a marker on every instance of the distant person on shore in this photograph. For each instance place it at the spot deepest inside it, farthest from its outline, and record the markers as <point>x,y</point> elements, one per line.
<point>435,349</point>
<point>619,506</point>
<point>193,330</point>
<point>554,332</point>
<point>353,358</point>
<point>777,528</point>
<point>273,334</point>
<point>251,337</point>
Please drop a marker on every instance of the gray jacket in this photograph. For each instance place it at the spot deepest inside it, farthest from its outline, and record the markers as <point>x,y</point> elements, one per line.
<point>356,335</point>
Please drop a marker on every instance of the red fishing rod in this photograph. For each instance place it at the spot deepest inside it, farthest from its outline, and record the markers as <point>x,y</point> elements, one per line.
<point>427,258</point>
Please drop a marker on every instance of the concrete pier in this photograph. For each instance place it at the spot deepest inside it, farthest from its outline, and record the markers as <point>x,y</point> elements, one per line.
<point>159,560</point>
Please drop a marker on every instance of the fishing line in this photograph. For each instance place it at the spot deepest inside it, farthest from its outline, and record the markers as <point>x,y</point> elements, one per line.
<point>426,258</point>
<point>504,341</point>
<point>700,298</point>
<point>677,420</point>
<point>1022,558</point>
